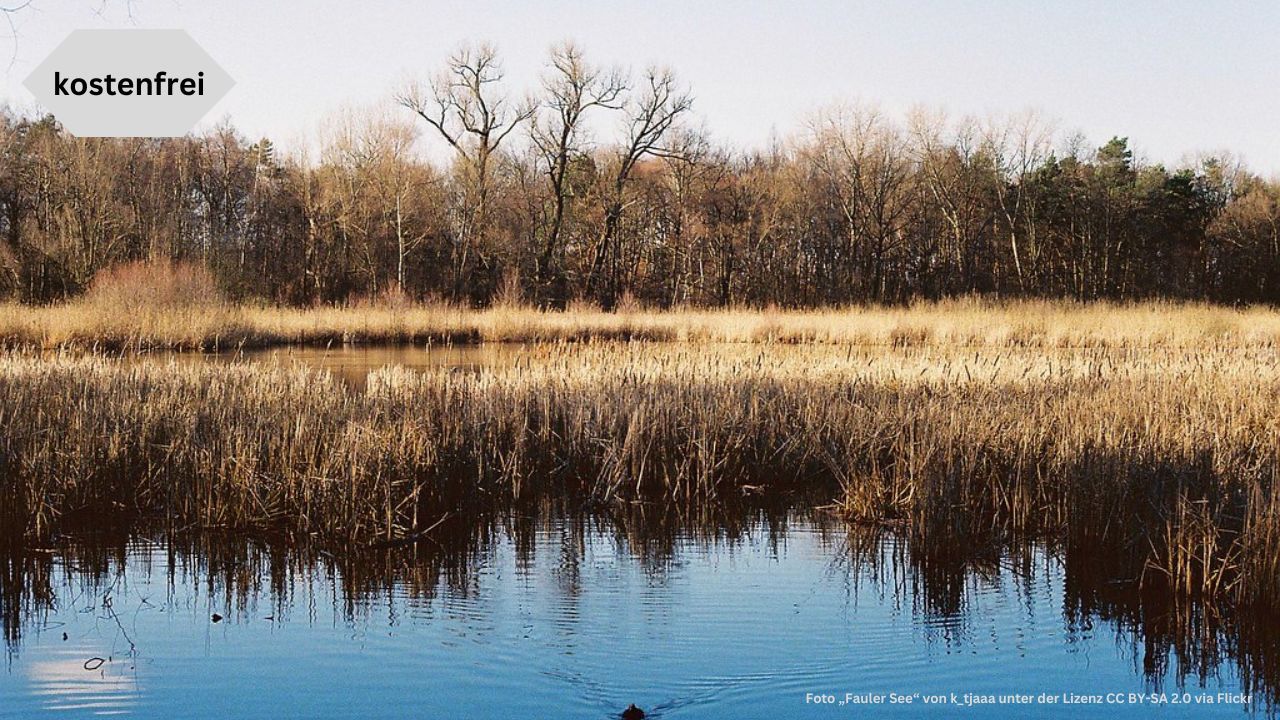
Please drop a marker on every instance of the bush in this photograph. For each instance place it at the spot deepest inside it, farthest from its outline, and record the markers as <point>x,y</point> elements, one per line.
<point>154,284</point>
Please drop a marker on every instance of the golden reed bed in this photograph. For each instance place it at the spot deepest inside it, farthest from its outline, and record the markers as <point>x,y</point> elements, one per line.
<point>1160,462</point>
<point>119,324</point>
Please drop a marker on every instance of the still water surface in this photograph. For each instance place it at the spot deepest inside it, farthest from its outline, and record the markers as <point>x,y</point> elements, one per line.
<point>575,617</point>
<point>352,364</point>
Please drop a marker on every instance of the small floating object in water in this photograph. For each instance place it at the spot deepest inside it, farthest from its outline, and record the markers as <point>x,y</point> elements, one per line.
<point>93,663</point>
<point>633,713</point>
<point>64,637</point>
<point>217,617</point>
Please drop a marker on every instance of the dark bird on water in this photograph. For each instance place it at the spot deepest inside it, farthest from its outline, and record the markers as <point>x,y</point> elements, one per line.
<point>633,713</point>
<point>216,617</point>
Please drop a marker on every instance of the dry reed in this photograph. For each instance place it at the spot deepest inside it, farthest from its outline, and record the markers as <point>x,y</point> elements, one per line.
<point>1163,463</point>
<point>99,322</point>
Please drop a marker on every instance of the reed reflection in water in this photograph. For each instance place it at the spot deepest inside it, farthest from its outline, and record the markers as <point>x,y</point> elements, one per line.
<point>550,614</point>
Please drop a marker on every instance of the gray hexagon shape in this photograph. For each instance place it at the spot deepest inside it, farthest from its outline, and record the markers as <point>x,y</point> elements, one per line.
<point>133,55</point>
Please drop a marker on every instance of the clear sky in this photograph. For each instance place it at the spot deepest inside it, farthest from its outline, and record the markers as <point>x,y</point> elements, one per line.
<point>1177,77</point>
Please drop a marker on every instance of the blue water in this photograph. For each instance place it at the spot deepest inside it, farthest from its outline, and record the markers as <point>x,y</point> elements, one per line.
<point>577,619</point>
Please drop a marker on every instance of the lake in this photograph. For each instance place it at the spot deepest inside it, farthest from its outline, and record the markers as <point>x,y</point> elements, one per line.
<point>759,614</point>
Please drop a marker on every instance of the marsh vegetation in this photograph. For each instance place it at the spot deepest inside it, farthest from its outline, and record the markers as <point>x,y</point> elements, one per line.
<point>177,308</point>
<point>1146,433</point>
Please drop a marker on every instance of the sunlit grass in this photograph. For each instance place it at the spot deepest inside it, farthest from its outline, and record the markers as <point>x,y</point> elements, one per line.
<point>1161,460</point>
<point>100,324</point>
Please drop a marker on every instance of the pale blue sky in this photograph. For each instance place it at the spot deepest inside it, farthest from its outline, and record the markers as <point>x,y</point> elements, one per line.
<point>1178,77</point>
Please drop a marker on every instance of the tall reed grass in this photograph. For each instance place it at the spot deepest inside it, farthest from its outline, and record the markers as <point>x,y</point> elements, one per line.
<point>99,321</point>
<point>1161,463</point>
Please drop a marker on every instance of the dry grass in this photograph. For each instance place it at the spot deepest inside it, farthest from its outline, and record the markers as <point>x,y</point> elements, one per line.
<point>1161,462</point>
<point>98,322</point>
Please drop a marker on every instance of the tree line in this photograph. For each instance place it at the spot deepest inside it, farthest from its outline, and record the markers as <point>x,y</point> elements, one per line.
<point>598,185</point>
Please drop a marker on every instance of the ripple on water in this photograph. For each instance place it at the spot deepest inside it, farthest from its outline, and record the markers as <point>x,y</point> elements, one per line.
<point>574,620</point>
<point>80,679</point>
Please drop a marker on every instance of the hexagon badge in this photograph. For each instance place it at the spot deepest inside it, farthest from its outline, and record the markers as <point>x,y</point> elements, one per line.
<point>129,83</point>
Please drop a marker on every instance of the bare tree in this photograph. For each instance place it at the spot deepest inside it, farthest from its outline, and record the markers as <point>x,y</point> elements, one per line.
<point>468,108</point>
<point>694,169</point>
<point>651,113</point>
<point>1017,147</point>
<point>864,158</point>
<point>396,180</point>
<point>861,208</point>
<point>570,89</point>
<point>955,173</point>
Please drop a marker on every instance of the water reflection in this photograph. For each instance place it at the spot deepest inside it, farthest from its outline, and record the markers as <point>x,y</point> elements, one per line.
<point>80,678</point>
<point>351,364</point>
<point>548,614</point>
